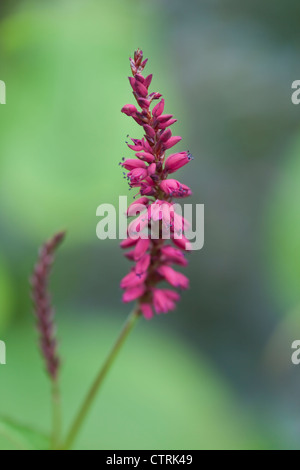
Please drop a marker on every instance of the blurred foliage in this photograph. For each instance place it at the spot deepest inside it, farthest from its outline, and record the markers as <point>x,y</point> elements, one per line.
<point>21,437</point>
<point>159,395</point>
<point>283,230</point>
<point>6,296</point>
<point>61,139</point>
<point>225,69</point>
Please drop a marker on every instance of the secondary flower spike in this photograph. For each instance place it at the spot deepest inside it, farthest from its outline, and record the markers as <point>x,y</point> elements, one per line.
<point>149,172</point>
<point>43,310</point>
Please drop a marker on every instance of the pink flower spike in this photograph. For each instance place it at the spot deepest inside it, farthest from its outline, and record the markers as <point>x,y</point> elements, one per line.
<point>149,172</point>
<point>175,188</point>
<point>143,103</point>
<point>142,265</point>
<point>136,147</point>
<point>173,277</point>
<point>131,280</point>
<point>147,187</point>
<point>164,300</point>
<point>136,227</point>
<point>129,109</point>
<point>132,82</point>
<point>141,248</point>
<point>166,136</point>
<point>139,77</point>
<point>164,125</point>
<point>152,169</point>
<point>149,181</point>
<point>174,255</point>
<point>138,120</point>
<point>148,80</point>
<point>179,223</point>
<point>137,206</point>
<point>182,243</point>
<point>164,118</point>
<point>172,141</point>
<point>147,190</point>
<point>171,294</point>
<point>132,163</point>
<point>146,310</point>
<point>154,211</point>
<point>149,131</point>
<point>128,243</point>
<point>137,174</point>
<point>147,147</point>
<point>135,209</point>
<point>176,161</point>
<point>130,255</point>
<point>138,57</point>
<point>168,213</point>
<point>159,108</point>
<point>141,200</point>
<point>146,157</point>
<point>133,293</point>
<point>141,89</point>
<point>156,96</point>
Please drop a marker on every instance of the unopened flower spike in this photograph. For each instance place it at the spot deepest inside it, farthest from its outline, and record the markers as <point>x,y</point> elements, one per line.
<point>149,173</point>
<point>43,309</point>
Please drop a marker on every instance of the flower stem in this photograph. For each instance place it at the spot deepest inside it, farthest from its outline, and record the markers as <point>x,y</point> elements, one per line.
<point>56,416</point>
<point>85,408</point>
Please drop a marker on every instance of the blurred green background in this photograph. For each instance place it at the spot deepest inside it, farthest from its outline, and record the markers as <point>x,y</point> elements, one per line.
<point>217,373</point>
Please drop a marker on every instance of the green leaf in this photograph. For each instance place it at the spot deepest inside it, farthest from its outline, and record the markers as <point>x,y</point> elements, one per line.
<point>23,437</point>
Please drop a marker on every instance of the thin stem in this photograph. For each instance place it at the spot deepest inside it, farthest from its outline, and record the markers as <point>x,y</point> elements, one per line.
<point>85,408</point>
<point>56,416</point>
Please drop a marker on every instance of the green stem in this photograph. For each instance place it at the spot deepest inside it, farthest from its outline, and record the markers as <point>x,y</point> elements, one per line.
<point>56,416</point>
<point>85,408</point>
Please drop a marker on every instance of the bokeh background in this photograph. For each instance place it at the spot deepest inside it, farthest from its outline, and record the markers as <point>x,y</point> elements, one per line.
<point>217,373</point>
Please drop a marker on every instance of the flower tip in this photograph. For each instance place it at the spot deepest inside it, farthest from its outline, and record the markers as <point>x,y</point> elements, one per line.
<point>60,236</point>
